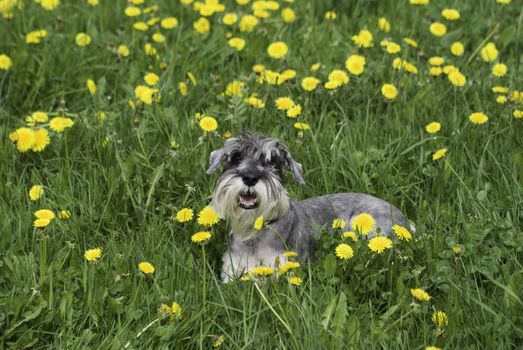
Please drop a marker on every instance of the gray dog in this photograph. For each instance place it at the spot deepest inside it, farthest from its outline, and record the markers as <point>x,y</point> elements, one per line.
<point>251,185</point>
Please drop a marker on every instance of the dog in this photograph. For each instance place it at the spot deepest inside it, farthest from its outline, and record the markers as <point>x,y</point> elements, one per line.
<point>252,185</point>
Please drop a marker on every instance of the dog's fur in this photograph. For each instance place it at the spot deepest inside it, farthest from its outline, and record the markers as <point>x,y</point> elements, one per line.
<point>254,169</point>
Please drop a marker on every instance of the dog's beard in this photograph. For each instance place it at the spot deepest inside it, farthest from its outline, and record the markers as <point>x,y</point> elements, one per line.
<point>241,205</point>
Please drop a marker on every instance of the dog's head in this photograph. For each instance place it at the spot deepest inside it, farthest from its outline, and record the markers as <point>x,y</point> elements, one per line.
<point>252,180</point>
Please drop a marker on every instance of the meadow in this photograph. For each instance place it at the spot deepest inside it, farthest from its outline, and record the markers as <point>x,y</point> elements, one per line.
<point>109,111</point>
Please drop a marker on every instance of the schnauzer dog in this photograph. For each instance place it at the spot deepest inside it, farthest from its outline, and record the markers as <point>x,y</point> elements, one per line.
<point>252,185</point>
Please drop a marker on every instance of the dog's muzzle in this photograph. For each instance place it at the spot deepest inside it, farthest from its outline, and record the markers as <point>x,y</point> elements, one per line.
<point>248,199</point>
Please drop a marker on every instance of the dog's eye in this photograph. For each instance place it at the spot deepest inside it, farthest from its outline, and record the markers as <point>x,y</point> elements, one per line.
<point>272,162</point>
<point>235,158</point>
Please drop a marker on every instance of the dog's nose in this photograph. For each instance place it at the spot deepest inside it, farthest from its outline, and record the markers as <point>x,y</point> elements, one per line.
<point>249,180</point>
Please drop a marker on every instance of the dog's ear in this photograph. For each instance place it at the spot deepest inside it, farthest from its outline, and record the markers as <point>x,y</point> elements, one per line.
<point>295,167</point>
<point>220,154</point>
<point>215,159</point>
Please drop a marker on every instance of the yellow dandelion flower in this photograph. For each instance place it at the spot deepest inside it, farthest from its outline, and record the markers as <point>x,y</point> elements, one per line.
<point>302,126</point>
<point>201,237</point>
<point>309,83</point>
<point>433,127</point>
<point>237,43</point>
<point>501,99</point>
<point>499,69</point>
<point>184,215</point>
<point>284,103</point>
<point>173,311</point>
<point>389,91</point>
<point>435,71</point>
<point>132,11</point>
<point>457,249</point>
<point>344,251</point>
<point>41,140</point>
<point>338,223</point>
<point>457,48</point>
<point>384,24</point>
<point>288,74</point>
<point>146,267</point>
<point>436,61</point>
<point>35,37</point>
<point>218,341</point>
<point>258,223</point>
<point>158,38</point>
<point>410,42</point>
<point>202,25</point>
<point>451,14</point>
<point>478,118</point>
<point>36,192</point>
<point>25,139</point>
<point>59,124</point>
<point>294,111</point>
<point>315,67</point>
<point>379,244</point>
<point>93,255</point>
<point>49,5</point>
<point>5,62</point>
<point>295,281</point>
<point>438,29</point>
<point>40,117</point>
<point>169,23</point>
<point>350,234</point>
<point>489,52</point>
<point>363,223</point>
<point>457,78</point>
<point>419,2</point>
<point>248,23</point>
<point>338,75</point>
<point>290,254</point>
<point>330,15</point>
<point>64,214</point>
<point>288,15</point>
<point>419,294</point>
<point>440,319</point>
<point>500,89</point>
<point>145,94</point>
<point>277,50</point>
<point>41,223</point>
<point>261,271</point>
<point>82,39</point>
<point>123,51</point>
<point>44,214</point>
<point>182,87</point>
<point>518,114</point>
<point>229,19</point>
<point>440,153</point>
<point>331,85</point>
<point>151,79</point>
<point>363,39</point>
<point>141,26</point>
<point>355,64</point>
<point>402,233</point>
<point>208,124</point>
<point>258,68</point>
<point>208,217</point>
<point>91,86</point>
<point>289,265</point>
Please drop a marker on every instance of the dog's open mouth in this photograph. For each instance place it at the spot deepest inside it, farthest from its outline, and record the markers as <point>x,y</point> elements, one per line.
<point>248,200</point>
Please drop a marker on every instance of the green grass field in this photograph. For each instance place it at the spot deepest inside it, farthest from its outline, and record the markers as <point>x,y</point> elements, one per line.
<point>135,155</point>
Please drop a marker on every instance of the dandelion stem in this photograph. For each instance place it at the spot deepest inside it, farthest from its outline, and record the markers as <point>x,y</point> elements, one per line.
<point>204,290</point>
<point>43,259</point>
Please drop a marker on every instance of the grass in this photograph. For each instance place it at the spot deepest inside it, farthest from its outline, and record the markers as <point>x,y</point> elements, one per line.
<point>123,182</point>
